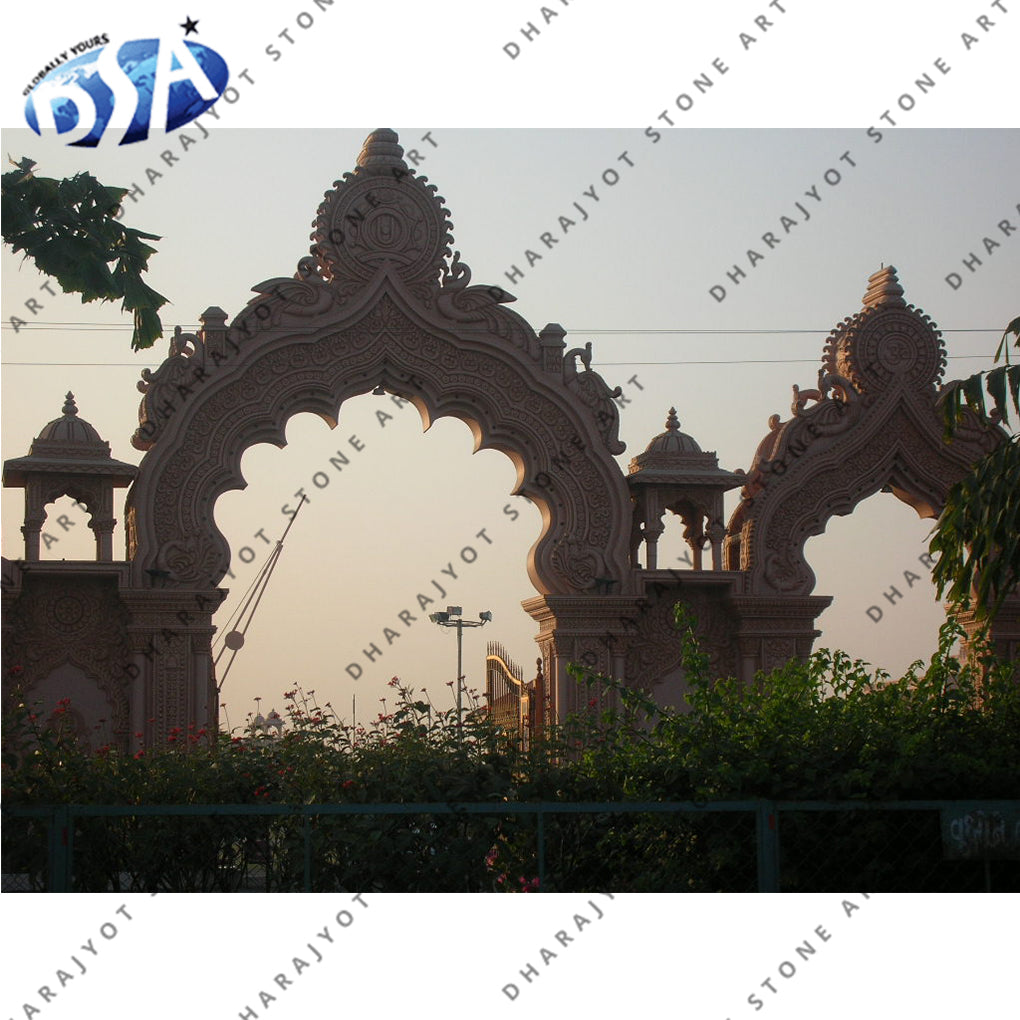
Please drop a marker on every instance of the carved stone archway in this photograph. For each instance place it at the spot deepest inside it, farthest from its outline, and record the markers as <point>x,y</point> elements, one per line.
<point>873,425</point>
<point>381,301</point>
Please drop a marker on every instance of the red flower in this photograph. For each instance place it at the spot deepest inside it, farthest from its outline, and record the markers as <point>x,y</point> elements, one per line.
<point>347,784</point>
<point>140,754</point>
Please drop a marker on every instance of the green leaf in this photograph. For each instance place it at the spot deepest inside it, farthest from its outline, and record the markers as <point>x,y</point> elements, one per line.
<point>67,229</point>
<point>996,383</point>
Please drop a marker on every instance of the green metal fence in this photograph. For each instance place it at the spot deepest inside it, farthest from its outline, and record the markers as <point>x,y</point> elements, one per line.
<point>751,845</point>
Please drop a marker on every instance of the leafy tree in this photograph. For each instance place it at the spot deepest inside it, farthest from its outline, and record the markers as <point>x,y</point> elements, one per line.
<point>68,228</point>
<point>977,536</point>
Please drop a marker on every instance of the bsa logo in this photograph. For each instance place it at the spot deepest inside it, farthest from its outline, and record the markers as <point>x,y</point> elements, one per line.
<point>128,89</point>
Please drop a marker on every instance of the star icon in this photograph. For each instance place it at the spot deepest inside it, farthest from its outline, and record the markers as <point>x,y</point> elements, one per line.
<point>189,26</point>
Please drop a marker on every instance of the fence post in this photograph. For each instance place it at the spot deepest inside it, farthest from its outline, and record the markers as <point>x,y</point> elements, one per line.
<point>60,850</point>
<point>541,850</point>
<point>768,846</point>
<point>308,852</point>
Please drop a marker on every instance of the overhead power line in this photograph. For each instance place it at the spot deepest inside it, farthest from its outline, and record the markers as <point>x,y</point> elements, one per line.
<point>598,364</point>
<point>91,327</point>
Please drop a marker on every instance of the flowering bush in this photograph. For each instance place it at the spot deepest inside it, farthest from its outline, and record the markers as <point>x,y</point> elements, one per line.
<point>829,728</point>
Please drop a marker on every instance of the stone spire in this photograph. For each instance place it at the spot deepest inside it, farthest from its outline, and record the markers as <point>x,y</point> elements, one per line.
<point>381,153</point>
<point>70,407</point>
<point>884,290</point>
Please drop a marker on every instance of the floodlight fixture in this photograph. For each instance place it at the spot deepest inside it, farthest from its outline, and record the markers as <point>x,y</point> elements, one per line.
<point>452,618</point>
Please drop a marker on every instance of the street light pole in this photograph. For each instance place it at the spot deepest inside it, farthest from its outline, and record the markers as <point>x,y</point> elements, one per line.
<point>444,620</point>
<point>460,671</point>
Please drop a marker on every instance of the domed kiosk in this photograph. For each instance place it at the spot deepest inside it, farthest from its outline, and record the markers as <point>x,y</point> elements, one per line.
<point>69,458</point>
<point>674,474</point>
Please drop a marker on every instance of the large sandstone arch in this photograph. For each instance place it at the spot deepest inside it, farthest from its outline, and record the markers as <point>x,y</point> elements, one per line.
<point>873,424</point>
<point>381,301</point>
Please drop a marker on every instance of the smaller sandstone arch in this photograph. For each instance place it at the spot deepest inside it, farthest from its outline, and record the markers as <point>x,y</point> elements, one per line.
<point>873,423</point>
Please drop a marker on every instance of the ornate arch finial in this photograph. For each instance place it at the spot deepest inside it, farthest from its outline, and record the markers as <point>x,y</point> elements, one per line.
<point>887,344</point>
<point>383,217</point>
<point>672,422</point>
<point>884,290</point>
<point>70,407</point>
<point>381,153</point>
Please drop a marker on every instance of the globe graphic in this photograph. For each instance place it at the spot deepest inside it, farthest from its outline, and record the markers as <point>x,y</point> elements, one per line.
<point>138,60</point>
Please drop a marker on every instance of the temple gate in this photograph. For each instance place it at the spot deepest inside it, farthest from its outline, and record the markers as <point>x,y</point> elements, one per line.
<point>382,301</point>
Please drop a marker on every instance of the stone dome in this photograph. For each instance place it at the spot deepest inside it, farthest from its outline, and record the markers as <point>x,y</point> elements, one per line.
<point>69,428</point>
<point>673,440</point>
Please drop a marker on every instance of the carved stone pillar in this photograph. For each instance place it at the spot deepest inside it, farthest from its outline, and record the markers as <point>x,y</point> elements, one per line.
<point>588,630</point>
<point>716,534</point>
<point>652,533</point>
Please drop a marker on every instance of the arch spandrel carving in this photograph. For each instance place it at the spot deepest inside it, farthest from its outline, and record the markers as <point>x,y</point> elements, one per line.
<point>873,422</point>
<point>379,307</point>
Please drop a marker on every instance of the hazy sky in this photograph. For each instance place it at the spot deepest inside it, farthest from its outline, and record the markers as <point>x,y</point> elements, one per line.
<point>635,278</point>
